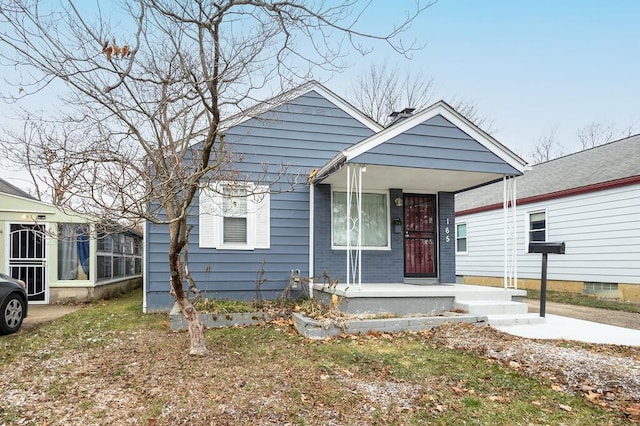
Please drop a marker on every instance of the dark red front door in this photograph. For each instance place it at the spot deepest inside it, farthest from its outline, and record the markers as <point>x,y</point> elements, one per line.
<point>419,235</point>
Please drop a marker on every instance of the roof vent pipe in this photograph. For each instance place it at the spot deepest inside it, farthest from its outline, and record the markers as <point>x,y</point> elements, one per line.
<point>398,116</point>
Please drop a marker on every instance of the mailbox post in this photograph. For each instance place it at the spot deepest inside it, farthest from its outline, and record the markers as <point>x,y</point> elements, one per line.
<point>545,248</point>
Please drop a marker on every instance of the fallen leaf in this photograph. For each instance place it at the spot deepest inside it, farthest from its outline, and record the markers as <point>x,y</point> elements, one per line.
<point>633,411</point>
<point>565,407</point>
<point>592,396</point>
<point>556,388</point>
<point>498,398</point>
<point>458,390</point>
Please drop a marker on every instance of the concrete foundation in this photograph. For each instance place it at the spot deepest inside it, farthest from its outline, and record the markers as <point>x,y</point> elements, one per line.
<point>86,294</point>
<point>314,329</point>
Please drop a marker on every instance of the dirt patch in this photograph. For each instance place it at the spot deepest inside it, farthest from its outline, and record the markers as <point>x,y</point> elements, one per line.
<point>602,316</point>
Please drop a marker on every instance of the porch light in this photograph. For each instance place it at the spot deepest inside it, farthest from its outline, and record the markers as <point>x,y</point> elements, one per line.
<point>398,202</point>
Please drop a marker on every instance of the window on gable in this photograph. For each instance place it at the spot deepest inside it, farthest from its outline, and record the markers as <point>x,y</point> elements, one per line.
<point>235,217</point>
<point>461,237</point>
<point>537,229</point>
<point>375,223</point>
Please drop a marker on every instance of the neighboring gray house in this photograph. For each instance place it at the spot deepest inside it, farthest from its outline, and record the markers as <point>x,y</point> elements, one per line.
<point>368,205</point>
<point>590,200</point>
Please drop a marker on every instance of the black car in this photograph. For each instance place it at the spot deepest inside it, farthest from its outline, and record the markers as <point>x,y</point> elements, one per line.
<point>13,304</point>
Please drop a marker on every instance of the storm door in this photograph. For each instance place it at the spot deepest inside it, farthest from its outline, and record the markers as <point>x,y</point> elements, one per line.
<point>420,235</point>
<point>28,259</point>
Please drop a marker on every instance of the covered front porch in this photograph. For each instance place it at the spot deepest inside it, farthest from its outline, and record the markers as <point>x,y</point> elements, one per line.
<point>383,219</point>
<point>383,209</point>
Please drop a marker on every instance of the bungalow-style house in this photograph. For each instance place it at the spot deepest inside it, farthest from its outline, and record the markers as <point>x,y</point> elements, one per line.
<point>368,206</point>
<point>59,256</point>
<point>589,200</point>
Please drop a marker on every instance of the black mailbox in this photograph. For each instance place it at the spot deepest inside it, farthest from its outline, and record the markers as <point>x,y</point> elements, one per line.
<point>547,247</point>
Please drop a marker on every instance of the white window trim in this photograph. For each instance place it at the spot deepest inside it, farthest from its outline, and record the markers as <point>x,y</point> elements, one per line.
<point>466,224</point>
<point>527,226</point>
<point>367,248</point>
<point>257,237</point>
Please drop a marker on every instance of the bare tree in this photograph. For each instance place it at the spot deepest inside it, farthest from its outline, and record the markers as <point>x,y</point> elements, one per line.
<point>547,148</point>
<point>149,94</point>
<point>383,89</point>
<point>598,133</point>
<point>39,149</point>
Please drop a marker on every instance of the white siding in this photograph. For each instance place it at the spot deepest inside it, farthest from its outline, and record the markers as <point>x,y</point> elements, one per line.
<point>601,231</point>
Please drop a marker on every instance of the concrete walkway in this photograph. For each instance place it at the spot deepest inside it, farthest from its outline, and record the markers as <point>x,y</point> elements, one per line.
<point>39,314</point>
<point>559,327</point>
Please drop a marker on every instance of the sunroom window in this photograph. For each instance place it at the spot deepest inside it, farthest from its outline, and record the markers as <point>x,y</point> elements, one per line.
<point>375,222</point>
<point>73,251</point>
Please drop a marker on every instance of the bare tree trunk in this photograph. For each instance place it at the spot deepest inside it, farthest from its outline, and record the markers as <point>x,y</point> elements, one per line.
<point>195,326</point>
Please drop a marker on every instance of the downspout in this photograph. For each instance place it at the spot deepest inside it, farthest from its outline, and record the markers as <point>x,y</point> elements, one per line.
<point>144,268</point>
<point>311,236</point>
<point>515,233</point>
<point>348,224</point>
<point>360,170</point>
<point>505,272</point>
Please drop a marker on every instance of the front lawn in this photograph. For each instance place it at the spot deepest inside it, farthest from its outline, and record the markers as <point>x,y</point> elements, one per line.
<point>110,364</point>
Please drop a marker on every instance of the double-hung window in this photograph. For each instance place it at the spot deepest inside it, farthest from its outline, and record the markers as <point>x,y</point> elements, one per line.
<point>234,216</point>
<point>536,227</point>
<point>374,215</point>
<point>461,237</point>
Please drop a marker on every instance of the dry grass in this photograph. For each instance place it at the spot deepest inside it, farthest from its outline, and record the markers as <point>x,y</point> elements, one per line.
<point>109,364</point>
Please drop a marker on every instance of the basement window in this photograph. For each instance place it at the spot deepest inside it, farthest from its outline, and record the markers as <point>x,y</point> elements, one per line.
<point>601,289</point>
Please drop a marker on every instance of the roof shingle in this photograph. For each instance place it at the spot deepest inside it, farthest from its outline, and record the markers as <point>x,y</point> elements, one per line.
<point>605,163</point>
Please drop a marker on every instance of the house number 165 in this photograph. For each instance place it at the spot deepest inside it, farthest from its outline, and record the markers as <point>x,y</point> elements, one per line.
<point>447,238</point>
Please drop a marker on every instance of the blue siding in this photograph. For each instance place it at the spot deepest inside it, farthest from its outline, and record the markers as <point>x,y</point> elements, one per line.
<point>302,134</point>
<point>436,144</point>
<point>377,266</point>
<point>382,266</point>
<point>447,246</point>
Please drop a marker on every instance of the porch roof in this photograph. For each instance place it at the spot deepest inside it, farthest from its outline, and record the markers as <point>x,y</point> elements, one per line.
<point>435,150</point>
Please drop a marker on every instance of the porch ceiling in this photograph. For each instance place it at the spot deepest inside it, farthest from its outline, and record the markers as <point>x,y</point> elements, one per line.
<point>414,179</point>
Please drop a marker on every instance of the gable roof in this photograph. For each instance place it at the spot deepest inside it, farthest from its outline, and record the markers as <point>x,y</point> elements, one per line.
<point>7,188</point>
<point>594,168</point>
<point>439,108</point>
<point>287,96</point>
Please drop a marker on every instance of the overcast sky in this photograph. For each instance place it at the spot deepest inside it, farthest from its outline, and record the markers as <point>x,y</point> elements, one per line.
<point>529,66</point>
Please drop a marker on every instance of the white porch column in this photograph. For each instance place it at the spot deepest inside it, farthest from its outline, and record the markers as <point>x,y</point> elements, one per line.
<point>354,254</point>
<point>510,279</point>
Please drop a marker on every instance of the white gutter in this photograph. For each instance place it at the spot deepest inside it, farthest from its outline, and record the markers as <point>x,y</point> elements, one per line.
<point>326,169</point>
<point>311,236</point>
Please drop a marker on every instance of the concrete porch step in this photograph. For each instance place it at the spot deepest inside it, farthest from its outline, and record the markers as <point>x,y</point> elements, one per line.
<point>491,307</point>
<point>514,319</point>
<point>489,293</point>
